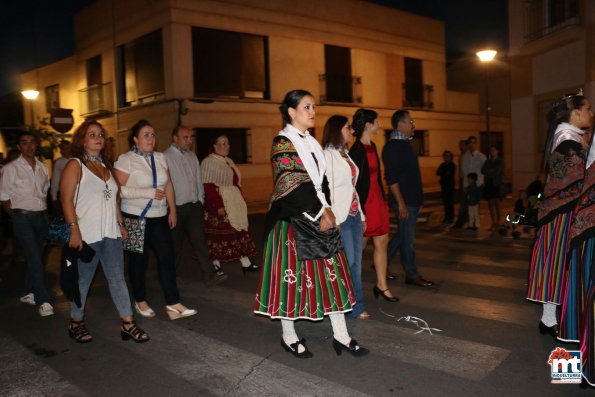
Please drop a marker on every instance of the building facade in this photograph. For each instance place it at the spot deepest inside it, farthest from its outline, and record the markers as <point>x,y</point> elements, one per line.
<point>223,66</point>
<point>552,53</point>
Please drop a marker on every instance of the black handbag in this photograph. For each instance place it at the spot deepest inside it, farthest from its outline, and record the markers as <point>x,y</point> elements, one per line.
<point>310,242</point>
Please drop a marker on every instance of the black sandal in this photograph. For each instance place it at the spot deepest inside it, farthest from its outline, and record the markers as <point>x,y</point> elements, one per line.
<point>294,349</point>
<point>78,331</point>
<point>134,332</point>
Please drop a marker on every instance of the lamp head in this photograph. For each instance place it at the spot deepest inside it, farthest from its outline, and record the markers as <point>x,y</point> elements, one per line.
<point>30,94</point>
<point>486,55</point>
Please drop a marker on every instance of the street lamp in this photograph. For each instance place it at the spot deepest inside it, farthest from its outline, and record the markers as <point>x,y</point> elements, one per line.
<point>487,56</point>
<point>31,95</point>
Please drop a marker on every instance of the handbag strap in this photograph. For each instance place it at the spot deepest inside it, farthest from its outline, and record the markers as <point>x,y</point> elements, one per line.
<point>154,171</point>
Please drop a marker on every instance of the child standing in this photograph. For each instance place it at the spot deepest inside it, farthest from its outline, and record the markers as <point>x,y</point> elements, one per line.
<point>473,197</point>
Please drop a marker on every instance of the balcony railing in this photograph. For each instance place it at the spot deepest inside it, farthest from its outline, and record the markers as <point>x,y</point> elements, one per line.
<point>96,100</point>
<point>340,89</point>
<point>418,96</point>
<point>543,17</point>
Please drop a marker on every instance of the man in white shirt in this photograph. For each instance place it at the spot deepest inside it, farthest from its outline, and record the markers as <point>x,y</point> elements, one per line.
<point>23,193</point>
<point>184,170</point>
<point>58,168</point>
<point>471,161</point>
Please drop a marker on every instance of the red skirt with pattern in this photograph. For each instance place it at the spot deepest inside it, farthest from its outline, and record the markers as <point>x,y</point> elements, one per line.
<point>226,243</point>
<point>293,289</point>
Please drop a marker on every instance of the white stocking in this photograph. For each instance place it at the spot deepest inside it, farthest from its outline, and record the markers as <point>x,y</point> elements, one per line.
<point>289,335</point>
<point>340,328</point>
<point>245,261</point>
<point>548,317</point>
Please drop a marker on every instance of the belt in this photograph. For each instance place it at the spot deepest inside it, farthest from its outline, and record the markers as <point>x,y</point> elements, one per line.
<point>27,212</point>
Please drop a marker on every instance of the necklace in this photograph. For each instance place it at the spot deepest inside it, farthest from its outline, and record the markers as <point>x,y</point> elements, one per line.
<point>107,192</point>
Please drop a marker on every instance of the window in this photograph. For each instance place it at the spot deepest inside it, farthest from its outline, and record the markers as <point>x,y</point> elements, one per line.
<point>229,64</point>
<point>140,65</point>
<point>337,80</point>
<point>239,141</point>
<point>420,141</point>
<point>94,71</point>
<point>52,97</point>
<point>416,94</point>
<point>543,17</point>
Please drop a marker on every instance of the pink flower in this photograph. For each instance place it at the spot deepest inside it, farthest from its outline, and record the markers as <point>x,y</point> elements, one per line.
<point>285,161</point>
<point>299,161</point>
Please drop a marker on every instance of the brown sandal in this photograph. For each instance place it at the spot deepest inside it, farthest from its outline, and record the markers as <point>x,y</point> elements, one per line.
<point>78,331</point>
<point>134,332</point>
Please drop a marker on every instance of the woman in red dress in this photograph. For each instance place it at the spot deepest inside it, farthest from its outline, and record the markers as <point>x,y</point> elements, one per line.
<point>371,194</point>
<point>226,214</point>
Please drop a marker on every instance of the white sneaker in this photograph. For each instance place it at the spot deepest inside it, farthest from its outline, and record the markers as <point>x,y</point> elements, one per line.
<point>28,299</point>
<point>45,309</point>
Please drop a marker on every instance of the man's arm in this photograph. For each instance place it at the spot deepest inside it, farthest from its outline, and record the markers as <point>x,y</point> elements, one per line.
<point>396,192</point>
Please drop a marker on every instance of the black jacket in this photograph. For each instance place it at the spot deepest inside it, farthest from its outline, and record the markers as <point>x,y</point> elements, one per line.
<point>359,157</point>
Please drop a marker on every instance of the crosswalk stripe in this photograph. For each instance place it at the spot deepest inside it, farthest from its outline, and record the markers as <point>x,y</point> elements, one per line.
<point>466,359</point>
<point>24,374</point>
<point>231,371</point>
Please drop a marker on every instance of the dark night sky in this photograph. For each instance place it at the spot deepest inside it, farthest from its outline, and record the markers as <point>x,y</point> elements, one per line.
<point>37,32</point>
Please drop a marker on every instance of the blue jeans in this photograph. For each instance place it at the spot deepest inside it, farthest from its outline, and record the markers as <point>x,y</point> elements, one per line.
<point>351,236</point>
<point>404,241</point>
<point>158,236</point>
<point>30,232</point>
<point>109,252</point>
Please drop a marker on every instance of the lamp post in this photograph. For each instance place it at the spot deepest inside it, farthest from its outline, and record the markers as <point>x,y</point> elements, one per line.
<point>487,56</point>
<point>31,95</point>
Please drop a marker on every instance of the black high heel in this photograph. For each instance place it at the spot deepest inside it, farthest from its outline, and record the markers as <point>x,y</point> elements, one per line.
<point>250,269</point>
<point>354,349</point>
<point>553,330</point>
<point>78,331</point>
<point>293,349</point>
<point>134,332</point>
<point>378,291</point>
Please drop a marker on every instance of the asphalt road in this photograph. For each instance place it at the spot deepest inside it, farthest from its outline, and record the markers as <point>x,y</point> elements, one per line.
<point>471,335</point>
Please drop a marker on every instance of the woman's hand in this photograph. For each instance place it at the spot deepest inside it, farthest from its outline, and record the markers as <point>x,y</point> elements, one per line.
<point>221,211</point>
<point>327,220</point>
<point>172,219</point>
<point>364,226</point>
<point>76,240</point>
<point>159,194</point>
<point>124,232</point>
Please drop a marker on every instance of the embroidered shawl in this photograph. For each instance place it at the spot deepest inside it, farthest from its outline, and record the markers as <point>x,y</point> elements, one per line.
<point>219,171</point>
<point>563,185</point>
<point>583,222</point>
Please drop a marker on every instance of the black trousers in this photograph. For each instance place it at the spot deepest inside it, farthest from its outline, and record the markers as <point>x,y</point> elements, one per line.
<point>191,224</point>
<point>158,237</point>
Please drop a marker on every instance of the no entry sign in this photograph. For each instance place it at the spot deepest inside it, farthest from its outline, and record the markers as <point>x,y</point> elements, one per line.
<point>61,119</point>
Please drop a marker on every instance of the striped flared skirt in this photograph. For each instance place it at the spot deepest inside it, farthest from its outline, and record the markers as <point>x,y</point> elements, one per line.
<point>293,289</point>
<point>577,280</point>
<point>588,338</point>
<point>548,261</point>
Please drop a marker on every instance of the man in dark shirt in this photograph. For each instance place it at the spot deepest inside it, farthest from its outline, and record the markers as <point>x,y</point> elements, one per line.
<point>401,169</point>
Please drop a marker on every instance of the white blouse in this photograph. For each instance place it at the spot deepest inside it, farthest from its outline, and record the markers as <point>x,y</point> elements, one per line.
<point>97,216</point>
<point>140,182</point>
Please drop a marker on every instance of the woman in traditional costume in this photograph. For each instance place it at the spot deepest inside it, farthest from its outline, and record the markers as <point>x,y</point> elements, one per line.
<point>226,213</point>
<point>305,274</point>
<point>578,292</point>
<point>565,158</point>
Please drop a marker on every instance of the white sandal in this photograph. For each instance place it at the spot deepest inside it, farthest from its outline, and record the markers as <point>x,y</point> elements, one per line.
<point>175,314</point>
<point>145,313</point>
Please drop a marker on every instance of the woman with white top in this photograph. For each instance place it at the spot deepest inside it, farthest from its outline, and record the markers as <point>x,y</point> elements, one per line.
<point>88,194</point>
<point>147,192</point>
<point>342,174</point>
